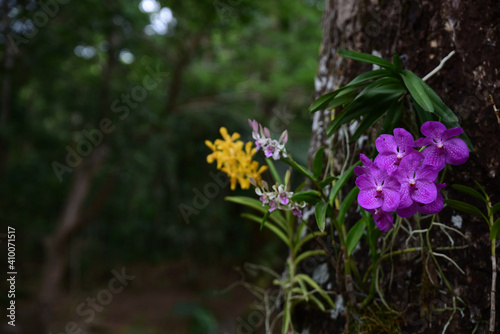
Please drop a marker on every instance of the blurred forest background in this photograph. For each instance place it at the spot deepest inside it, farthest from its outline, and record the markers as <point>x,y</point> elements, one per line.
<point>105,107</point>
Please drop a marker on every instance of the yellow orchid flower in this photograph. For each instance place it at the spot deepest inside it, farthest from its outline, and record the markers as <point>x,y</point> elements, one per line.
<point>235,159</point>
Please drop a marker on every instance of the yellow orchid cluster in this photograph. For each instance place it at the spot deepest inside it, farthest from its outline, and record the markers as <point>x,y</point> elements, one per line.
<point>235,159</point>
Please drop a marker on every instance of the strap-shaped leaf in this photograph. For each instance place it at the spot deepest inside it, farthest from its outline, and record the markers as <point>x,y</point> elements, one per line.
<point>366,58</point>
<point>302,256</point>
<point>299,168</point>
<point>371,118</point>
<point>465,207</point>
<point>318,302</point>
<point>416,88</point>
<point>397,62</point>
<point>469,191</point>
<point>341,181</point>
<point>495,208</point>
<point>264,219</point>
<point>309,196</point>
<point>257,205</point>
<point>315,286</point>
<point>271,227</point>
<point>317,166</point>
<point>373,234</point>
<point>482,189</point>
<point>274,172</point>
<point>423,115</point>
<point>392,117</point>
<point>342,99</point>
<point>346,204</point>
<point>380,86</point>
<point>338,97</point>
<point>447,116</point>
<point>375,74</point>
<point>354,235</point>
<point>320,213</point>
<point>495,230</point>
<point>369,103</point>
<point>321,102</point>
<point>305,239</point>
<point>327,181</point>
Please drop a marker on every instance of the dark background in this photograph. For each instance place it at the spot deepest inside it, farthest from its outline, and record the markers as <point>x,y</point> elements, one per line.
<point>85,202</point>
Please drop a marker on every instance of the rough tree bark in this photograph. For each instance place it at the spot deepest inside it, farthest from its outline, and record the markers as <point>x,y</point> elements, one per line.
<point>423,32</point>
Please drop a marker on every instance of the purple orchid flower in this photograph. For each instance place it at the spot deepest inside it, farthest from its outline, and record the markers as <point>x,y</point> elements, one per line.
<point>271,147</point>
<point>383,219</point>
<point>392,149</point>
<point>378,189</point>
<point>417,181</point>
<point>367,163</point>
<point>443,146</point>
<point>426,209</point>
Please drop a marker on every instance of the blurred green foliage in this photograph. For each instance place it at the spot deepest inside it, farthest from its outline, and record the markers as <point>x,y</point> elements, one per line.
<point>226,61</point>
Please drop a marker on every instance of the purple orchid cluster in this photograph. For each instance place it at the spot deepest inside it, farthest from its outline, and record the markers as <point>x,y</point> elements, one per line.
<point>403,179</point>
<point>278,198</point>
<point>271,147</point>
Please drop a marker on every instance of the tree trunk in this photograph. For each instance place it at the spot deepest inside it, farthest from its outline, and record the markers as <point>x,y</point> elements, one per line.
<point>422,33</point>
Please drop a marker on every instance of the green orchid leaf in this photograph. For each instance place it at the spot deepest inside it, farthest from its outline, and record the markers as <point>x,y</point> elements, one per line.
<point>317,166</point>
<point>416,88</point>
<point>366,58</point>
<point>495,230</point>
<point>321,102</point>
<point>354,235</point>
<point>309,196</point>
<point>346,204</point>
<point>465,207</point>
<point>340,183</point>
<point>327,181</point>
<point>469,191</point>
<point>320,213</point>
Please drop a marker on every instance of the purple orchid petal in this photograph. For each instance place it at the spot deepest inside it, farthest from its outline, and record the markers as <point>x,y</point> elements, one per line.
<point>434,157</point>
<point>427,173</point>
<point>269,151</point>
<point>358,170</point>
<point>409,211</point>
<point>403,138</point>
<point>405,198</point>
<point>453,132</point>
<point>365,160</point>
<point>391,200</point>
<point>457,151</point>
<point>365,182</point>
<point>254,125</point>
<point>433,129</point>
<point>297,212</point>
<point>284,137</point>
<point>386,144</point>
<point>423,142</point>
<point>423,192</point>
<point>432,208</point>
<point>410,162</point>
<point>392,183</point>
<point>389,161</point>
<point>369,199</point>
<point>383,220</point>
